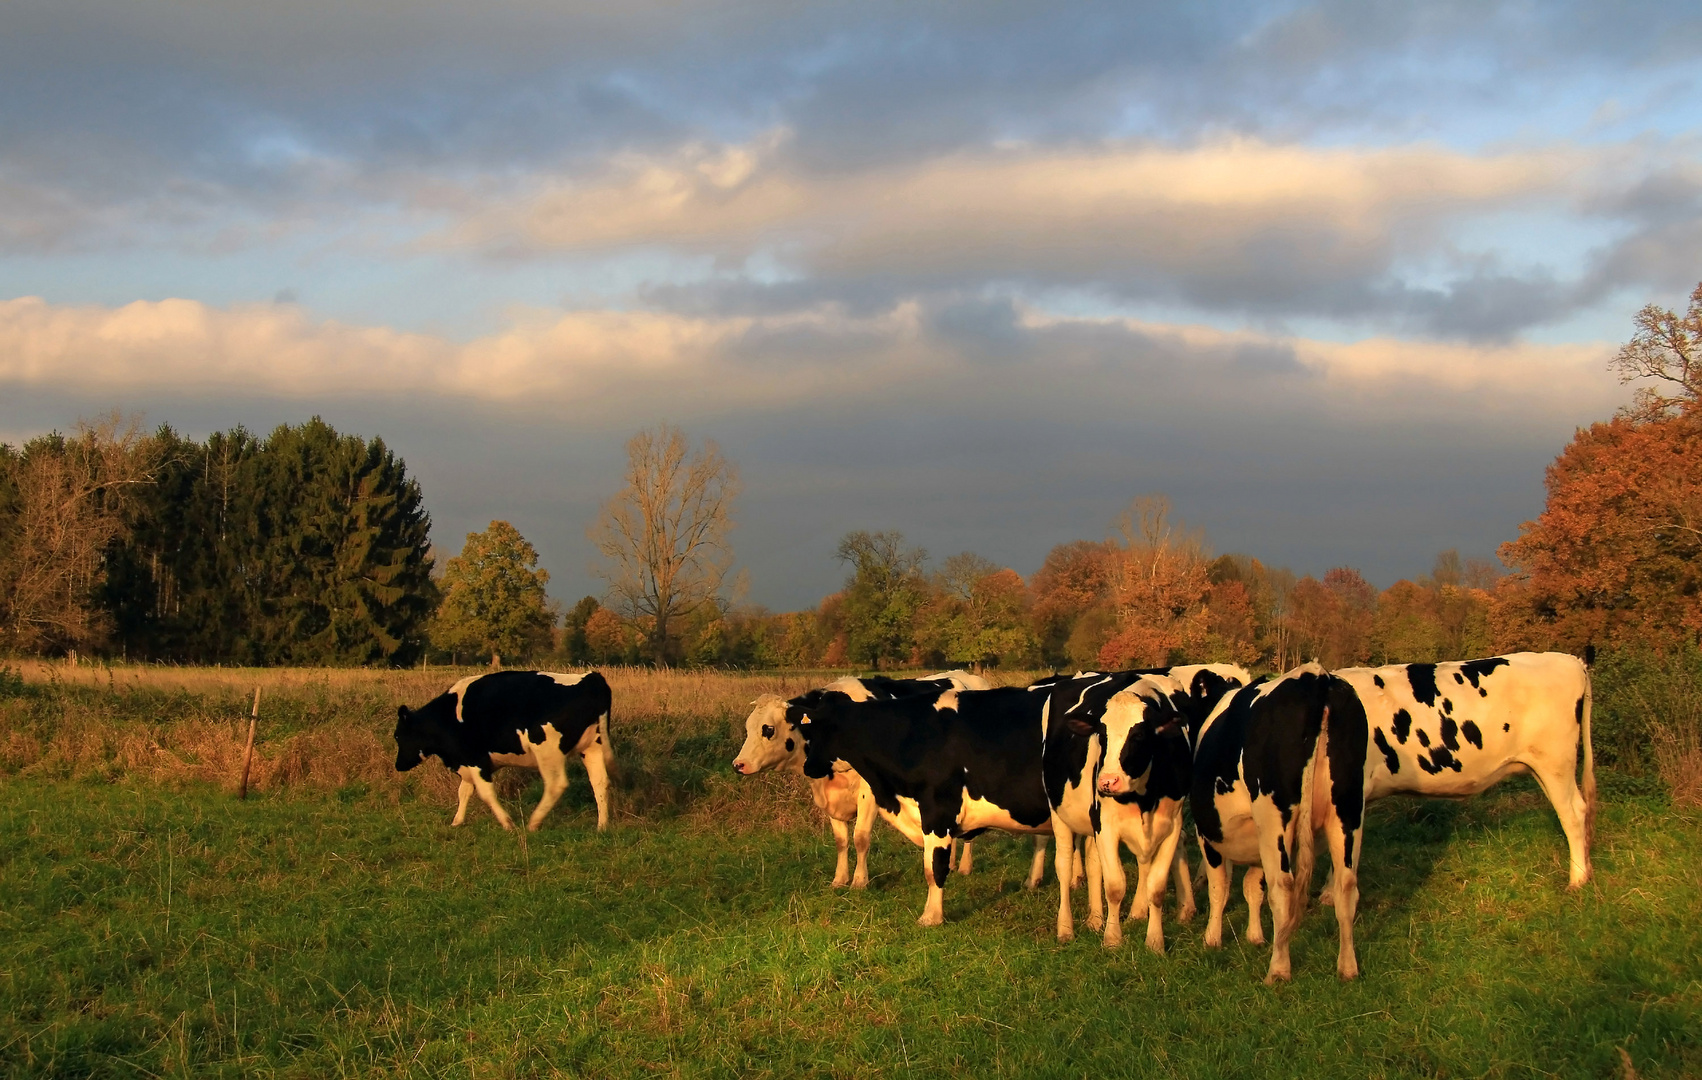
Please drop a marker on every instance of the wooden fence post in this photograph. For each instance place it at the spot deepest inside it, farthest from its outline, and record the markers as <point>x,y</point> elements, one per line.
<point>248,751</point>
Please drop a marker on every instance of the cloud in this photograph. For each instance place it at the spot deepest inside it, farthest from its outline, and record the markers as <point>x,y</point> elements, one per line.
<point>610,367</point>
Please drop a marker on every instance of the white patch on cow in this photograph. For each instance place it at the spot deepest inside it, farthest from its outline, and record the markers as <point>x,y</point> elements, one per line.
<point>1082,697</point>
<point>564,679</point>
<point>962,680</point>
<point>460,692</point>
<point>852,687</point>
<point>947,700</point>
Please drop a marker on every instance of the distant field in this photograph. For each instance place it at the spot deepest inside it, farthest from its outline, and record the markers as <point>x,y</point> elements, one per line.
<point>335,926</point>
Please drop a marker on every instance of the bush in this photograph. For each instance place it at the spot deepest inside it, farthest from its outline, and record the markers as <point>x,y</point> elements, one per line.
<point>1648,716</point>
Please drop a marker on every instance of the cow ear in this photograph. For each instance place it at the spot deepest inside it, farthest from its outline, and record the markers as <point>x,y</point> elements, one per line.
<point>401,712</point>
<point>1078,725</point>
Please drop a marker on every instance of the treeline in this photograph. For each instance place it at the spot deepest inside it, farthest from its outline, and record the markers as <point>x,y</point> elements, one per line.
<point>1152,594</point>
<point>305,547</point>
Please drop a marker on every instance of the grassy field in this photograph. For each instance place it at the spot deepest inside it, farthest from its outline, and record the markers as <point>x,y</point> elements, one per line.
<point>334,925</point>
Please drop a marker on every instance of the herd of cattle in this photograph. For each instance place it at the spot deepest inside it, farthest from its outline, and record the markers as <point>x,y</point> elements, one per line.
<point>1266,765</point>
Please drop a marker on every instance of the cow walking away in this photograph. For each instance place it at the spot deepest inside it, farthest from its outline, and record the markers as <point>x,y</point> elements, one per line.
<point>528,718</point>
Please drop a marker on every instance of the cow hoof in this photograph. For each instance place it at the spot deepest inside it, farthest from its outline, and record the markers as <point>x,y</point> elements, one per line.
<point>1326,900</point>
<point>1214,942</point>
<point>1273,977</point>
<point>1256,939</point>
<point>1112,941</point>
<point>1156,944</point>
<point>1095,923</point>
<point>1348,974</point>
<point>1066,936</point>
<point>860,883</point>
<point>1187,914</point>
<point>930,920</point>
<point>534,826</point>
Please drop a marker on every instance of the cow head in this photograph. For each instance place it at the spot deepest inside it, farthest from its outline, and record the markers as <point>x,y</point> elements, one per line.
<point>412,745</point>
<point>1140,724</point>
<point>771,740</point>
<point>816,717</point>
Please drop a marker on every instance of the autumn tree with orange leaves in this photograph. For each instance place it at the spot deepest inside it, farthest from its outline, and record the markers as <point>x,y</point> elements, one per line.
<point>1616,555</point>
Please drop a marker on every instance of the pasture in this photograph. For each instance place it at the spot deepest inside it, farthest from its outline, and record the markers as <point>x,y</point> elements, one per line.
<point>333,925</point>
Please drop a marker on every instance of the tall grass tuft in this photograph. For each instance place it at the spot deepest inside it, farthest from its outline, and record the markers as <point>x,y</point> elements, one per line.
<point>1648,716</point>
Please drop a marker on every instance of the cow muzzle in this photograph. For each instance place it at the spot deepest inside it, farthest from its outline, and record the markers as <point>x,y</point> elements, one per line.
<point>739,767</point>
<point>1112,785</point>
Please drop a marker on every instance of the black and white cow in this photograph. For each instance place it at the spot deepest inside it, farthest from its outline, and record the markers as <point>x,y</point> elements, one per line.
<point>939,766</point>
<point>1129,731</point>
<point>529,718</point>
<point>772,743</point>
<point>1309,751</point>
<point>1255,765</point>
<point>1453,730</point>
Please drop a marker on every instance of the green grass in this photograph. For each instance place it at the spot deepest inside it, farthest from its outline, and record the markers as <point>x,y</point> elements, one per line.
<point>147,931</point>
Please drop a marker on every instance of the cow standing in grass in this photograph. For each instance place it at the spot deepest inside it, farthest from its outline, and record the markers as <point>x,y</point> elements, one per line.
<point>1136,725</point>
<point>1278,762</point>
<point>772,742</point>
<point>527,718</point>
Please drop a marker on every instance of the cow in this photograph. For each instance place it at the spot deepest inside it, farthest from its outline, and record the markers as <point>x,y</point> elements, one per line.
<point>772,743</point>
<point>939,766</point>
<point>529,718</point>
<point>1444,730</point>
<point>1252,796</point>
<point>1142,721</point>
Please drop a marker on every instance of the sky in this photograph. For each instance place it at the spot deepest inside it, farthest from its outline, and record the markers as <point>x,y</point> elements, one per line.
<point>1339,279</point>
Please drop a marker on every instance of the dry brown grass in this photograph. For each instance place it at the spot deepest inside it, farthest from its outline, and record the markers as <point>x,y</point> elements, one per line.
<point>674,732</point>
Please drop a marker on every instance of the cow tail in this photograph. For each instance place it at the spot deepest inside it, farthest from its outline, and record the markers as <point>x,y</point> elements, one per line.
<point>1305,828</point>
<point>1589,767</point>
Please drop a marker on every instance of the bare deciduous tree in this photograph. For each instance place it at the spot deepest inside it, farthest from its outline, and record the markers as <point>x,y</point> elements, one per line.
<point>665,535</point>
<point>71,496</point>
<point>1668,348</point>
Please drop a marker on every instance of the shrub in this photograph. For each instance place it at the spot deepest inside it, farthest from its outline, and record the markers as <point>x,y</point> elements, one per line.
<point>1648,716</point>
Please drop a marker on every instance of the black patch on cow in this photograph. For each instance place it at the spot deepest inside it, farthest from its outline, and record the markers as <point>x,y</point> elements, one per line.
<point>1578,712</point>
<point>1378,679</point>
<point>1447,706</point>
<point>1506,727</point>
<point>1427,765</point>
<point>1472,734</point>
<point>1423,737</point>
<point>1477,669</point>
<point>494,709</point>
<point>942,863</point>
<point>1459,678</point>
<point>1093,812</point>
<point>1482,692</point>
<point>1212,856</point>
<point>1442,760</point>
<point>1423,680</point>
<point>1390,758</point>
<point>1402,725</point>
<point>988,747</point>
<point>1282,853</point>
<point>1345,746</point>
<point>1450,733</point>
<point>790,744</point>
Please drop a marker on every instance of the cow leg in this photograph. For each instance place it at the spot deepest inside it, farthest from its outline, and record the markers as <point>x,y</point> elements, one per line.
<point>1116,885</point>
<point>1276,848</point>
<point>1217,893</point>
<point>1253,889</point>
<point>968,860</point>
<point>936,865</point>
<point>488,794</point>
<point>1183,876</point>
<point>1063,851</point>
<point>1344,890</point>
<point>1095,884</point>
<point>841,842</point>
<point>465,795</point>
<point>1037,869</point>
<point>1570,806</point>
<point>1163,858</point>
<point>552,767</point>
<point>597,769</point>
<point>860,835</point>
<point>1076,873</point>
<point>1328,895</point>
